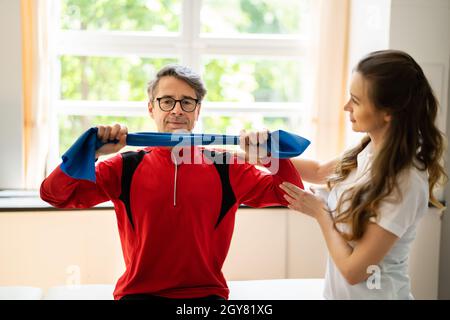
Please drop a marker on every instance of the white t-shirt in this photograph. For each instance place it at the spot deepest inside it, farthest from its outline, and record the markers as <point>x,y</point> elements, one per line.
<point>390,280</point>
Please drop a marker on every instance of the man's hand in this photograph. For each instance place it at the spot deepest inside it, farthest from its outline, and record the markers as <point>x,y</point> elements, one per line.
<point>108,134</point>
<point>254,144</point>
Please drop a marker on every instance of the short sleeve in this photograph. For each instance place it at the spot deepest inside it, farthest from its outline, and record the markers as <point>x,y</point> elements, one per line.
<point>399,212</point>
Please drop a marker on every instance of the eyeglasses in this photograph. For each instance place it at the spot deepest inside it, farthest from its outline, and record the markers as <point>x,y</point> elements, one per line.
<point>167,104</point>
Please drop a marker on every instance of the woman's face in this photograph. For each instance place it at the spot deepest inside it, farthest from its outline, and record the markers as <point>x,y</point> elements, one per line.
<point>363,114</point>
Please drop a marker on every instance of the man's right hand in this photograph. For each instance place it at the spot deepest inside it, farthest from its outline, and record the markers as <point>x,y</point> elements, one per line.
<point>107,134</point>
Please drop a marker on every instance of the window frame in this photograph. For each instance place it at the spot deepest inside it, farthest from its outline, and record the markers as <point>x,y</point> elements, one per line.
<point>189,45</point>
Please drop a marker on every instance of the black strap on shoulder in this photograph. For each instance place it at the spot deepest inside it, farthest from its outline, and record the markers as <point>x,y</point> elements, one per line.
<point>130,162</point>
<point>221,162</point>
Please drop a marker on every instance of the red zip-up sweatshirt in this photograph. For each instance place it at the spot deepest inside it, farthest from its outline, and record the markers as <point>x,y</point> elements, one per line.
<point>175,221</point>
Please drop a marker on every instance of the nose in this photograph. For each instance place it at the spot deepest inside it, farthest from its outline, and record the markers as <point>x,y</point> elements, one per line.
<point>177,108</point>
<point>347,106</point>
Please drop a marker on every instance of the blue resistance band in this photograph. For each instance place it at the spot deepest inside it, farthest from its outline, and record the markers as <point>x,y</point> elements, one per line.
<point>79,160</point>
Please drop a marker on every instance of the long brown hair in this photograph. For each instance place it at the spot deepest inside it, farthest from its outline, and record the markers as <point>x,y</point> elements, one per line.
<point>397,85</point>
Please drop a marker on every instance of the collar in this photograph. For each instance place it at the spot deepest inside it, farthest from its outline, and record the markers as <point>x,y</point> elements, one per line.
<point>179,155</point>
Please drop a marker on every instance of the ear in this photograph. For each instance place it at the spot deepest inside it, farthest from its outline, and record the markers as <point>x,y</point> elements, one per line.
<point>150,109</point>
<point>387,117</point>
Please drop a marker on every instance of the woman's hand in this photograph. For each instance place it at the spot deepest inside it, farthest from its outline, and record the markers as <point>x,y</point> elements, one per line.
<point>303,201</point>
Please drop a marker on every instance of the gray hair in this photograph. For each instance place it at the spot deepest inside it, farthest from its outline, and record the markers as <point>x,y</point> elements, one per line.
<point>182,73</point>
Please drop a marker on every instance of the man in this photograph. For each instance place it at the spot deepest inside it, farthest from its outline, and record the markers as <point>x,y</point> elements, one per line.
<point>175,219</point>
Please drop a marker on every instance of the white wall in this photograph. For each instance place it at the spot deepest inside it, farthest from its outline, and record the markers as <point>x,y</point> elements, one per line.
<point>422,28</point>
<point>444,268</point>
<point>11,138</point>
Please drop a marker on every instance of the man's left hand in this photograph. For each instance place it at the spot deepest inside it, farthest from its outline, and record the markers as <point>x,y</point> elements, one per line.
<point>254,144</point>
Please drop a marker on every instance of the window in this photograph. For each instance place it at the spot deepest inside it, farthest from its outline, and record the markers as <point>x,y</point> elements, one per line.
<point>252,55</point>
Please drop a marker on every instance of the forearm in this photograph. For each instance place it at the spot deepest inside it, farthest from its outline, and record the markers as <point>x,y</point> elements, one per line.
<point>340,251</point>
<point>313,171</point>
<point>62,191</point>
<point>57,188</point>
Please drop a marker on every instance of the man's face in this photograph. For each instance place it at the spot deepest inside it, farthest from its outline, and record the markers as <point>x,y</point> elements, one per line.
<point>176,120</point>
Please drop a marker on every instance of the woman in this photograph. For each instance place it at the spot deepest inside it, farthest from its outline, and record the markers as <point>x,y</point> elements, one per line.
<point>379,190</point>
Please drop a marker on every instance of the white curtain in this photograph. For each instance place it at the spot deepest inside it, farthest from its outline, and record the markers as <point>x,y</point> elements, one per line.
<point>36,22</point>
<point>329,55</point>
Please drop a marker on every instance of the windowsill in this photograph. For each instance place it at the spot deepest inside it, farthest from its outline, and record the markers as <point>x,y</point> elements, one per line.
<point>15,201</point>
<point>19,201</point>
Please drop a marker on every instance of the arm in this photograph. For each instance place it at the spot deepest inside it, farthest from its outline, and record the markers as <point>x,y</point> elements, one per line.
<point>254,187</point>
<point>353,263</point>
<point>257,188</point>
<point>310,170</point>
<point>394,218</point>
<point>62,191</point>
<point>313,171</point>
<point>370,250</point>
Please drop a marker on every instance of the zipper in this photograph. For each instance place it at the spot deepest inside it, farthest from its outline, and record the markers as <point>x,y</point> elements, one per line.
<point>175,182</point>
